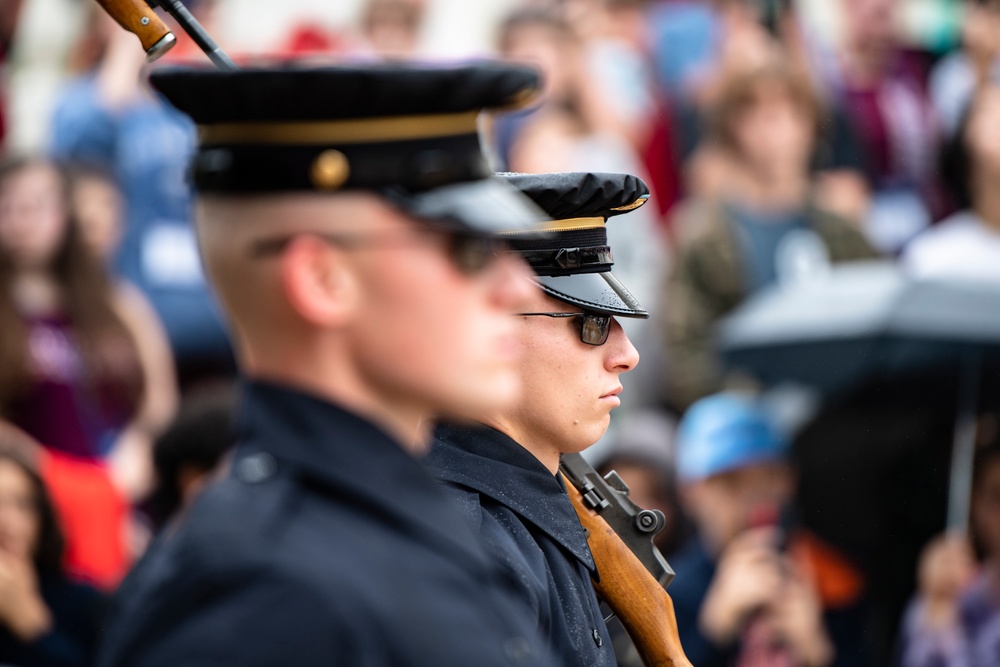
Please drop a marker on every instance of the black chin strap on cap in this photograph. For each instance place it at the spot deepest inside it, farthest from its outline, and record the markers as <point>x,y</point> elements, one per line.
<point>569,261</point>
<point>566,252</point>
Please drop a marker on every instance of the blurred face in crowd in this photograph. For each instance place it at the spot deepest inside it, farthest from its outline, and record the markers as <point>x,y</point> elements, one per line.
<point>981,28</point>
<point>392,26</point>
<point>986,508</point>
<point>416,331</point>
<point>569,387</point>
<point>726,504</point>
<point>549,142</point>
<point>97,206</point>
<point>550,48</point>
<point>33,216</point>
<point>871,23</point>
<point>19,517</point>
<point>774,133</point>
<point>982,135</point>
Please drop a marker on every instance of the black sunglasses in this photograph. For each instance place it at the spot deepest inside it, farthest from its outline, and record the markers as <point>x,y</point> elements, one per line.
<point>469,253</point>
<point>594,328</point>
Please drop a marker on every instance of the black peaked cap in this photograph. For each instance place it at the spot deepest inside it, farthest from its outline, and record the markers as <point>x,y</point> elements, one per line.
<point>573,262</point>
<point>406,131</point>
<point>582,194</point>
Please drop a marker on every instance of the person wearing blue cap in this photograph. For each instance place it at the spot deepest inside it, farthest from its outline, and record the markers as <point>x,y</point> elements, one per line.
<point>750,590</point>
<point>347,220</point>
<point>503,468</point>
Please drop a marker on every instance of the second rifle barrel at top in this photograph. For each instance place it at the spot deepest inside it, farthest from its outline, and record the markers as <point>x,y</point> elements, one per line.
<point>190,24</point>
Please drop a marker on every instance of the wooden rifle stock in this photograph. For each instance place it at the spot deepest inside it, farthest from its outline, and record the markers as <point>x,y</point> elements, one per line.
<point>139,19</point>
<point>636,598</point>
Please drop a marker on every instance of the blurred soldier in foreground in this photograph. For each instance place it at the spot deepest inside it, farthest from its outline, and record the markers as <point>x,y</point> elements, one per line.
<point>346,222</point>
<point>504,471</point>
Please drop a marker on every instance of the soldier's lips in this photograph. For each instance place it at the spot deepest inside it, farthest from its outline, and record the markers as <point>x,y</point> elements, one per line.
<point>612,397</point>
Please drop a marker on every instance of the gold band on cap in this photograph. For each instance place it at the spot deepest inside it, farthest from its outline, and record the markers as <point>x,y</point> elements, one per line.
<point>569,224</point>
<point>573,223</point>
<point>354,131</point>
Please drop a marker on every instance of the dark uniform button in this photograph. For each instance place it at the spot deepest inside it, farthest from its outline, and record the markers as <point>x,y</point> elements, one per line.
<point>518,650</point>
<point>256,468</point>
<point>597,637</point>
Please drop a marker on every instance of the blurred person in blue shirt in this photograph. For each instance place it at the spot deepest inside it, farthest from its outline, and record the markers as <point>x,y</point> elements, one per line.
<point>109,117</point>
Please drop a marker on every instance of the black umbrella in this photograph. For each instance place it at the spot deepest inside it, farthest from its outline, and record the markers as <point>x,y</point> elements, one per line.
<point>869,323</point>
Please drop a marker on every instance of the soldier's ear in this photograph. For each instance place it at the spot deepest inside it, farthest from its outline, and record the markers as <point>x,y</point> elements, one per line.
<point>319,285</point>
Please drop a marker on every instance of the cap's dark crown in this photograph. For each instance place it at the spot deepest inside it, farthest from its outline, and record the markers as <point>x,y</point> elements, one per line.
<point>300,93</point>
<point>582,194</point>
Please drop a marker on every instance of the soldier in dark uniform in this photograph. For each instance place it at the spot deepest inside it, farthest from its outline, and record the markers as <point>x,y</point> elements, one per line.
<point>503,470</point>
<point>346,221</point>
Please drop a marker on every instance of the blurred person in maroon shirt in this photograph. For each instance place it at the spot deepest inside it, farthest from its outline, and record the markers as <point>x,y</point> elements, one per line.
<point>882,87</point>
<point>82,369</point>
<point>85,371</point>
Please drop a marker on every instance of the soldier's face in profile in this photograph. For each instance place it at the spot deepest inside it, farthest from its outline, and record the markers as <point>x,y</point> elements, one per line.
<point>569,387</point>
<point>436,332</point>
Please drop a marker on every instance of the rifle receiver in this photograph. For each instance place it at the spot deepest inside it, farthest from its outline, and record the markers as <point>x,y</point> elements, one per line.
<point>635,526</point>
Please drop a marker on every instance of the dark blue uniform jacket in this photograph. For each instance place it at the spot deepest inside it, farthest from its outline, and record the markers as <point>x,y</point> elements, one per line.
<point>327,545</point>
<point>528,522</point>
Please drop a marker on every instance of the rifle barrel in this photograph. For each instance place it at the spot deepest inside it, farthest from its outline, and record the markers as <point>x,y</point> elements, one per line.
<point>191,26</point>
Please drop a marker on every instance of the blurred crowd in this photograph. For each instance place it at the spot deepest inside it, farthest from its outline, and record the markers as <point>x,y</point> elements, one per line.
<point>773,150</point>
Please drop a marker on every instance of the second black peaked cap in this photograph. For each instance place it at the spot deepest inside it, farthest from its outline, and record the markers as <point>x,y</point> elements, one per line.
<point>407,131</point>
<point>573,263</point>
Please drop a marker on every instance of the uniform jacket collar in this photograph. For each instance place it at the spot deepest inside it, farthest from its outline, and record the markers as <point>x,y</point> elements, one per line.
<point>493,464</point>
<point>340,452</point>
